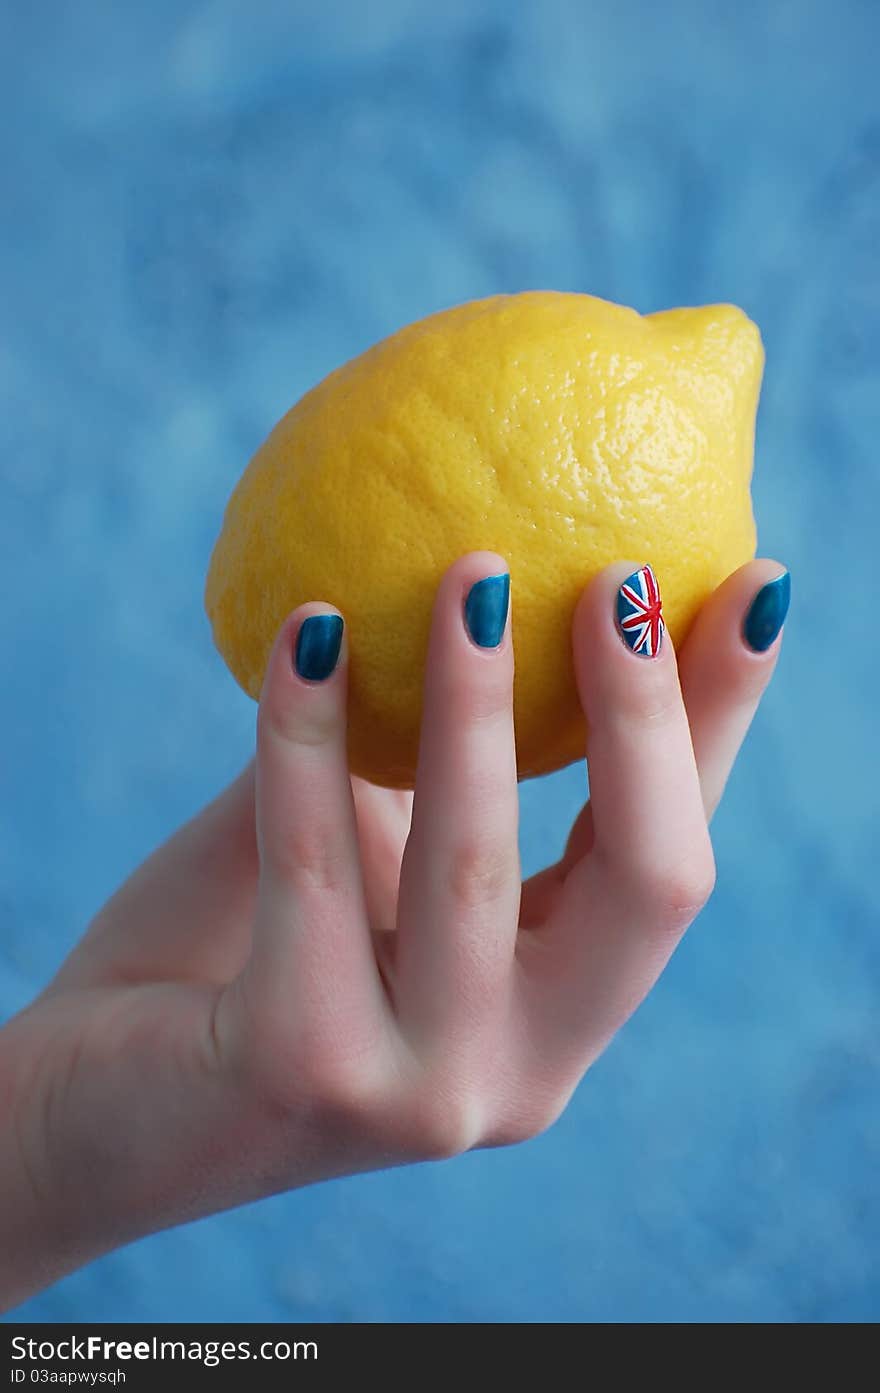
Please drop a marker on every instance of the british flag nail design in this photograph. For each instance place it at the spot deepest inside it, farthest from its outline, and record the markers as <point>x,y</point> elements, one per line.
<point>639,613</point>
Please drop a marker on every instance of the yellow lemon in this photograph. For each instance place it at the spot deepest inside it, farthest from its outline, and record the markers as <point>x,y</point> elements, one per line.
<point>558,429</point>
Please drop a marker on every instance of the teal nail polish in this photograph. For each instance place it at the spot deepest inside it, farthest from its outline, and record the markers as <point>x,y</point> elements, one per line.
<point>317,646</point>
<point>485,610</point>
<point>767,613</point>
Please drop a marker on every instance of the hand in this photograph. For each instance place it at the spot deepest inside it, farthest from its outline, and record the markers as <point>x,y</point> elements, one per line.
<point>316,977</point>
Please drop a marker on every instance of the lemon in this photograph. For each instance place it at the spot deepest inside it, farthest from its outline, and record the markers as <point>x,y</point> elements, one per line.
<point>561,430</point>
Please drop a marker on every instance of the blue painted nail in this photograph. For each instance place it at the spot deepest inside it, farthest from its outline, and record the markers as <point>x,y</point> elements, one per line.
<point>485,610</point>
<point>317,646</point>
<point>767,613</point>
<point>640,613</point>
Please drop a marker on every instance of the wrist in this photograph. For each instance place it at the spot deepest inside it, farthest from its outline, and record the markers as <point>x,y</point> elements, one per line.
<point>31,1255</point>
<point>58,1199</point>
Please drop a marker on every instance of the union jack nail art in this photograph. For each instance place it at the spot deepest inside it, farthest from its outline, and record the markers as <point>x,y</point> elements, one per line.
<point>639,613</point>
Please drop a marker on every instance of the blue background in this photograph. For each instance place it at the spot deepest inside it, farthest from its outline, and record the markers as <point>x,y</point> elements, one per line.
<point>207,206</point>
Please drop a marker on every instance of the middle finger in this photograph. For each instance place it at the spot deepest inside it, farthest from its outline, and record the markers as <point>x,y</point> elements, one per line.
<point>460,878</point>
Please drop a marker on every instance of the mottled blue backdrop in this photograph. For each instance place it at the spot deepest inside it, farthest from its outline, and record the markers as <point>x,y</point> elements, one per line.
<point>207,205</point>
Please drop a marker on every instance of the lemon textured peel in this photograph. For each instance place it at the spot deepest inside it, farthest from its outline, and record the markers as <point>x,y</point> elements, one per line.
<point>563,431</point>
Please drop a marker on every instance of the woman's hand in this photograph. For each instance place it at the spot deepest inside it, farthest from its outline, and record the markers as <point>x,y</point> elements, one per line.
<point>316,977</point>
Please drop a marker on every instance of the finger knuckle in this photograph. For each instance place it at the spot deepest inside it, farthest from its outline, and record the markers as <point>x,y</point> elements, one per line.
<point>337,1088</point>
<point>480,874</point>
<point>678,891</point>
<point>444,1122</point>
<point>526,1122</point>
<point>288,721</point>
<point>477,699</point>
<point>487,704</point>
<point>650,703</point>
<point>346,1093</point>
<point>310,858</point>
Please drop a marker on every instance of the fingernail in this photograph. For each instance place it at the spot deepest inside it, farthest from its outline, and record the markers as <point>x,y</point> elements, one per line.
<point>485,610</point>
<point>639,613</point>
<point>317,646</point>
<point>767,613</point>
